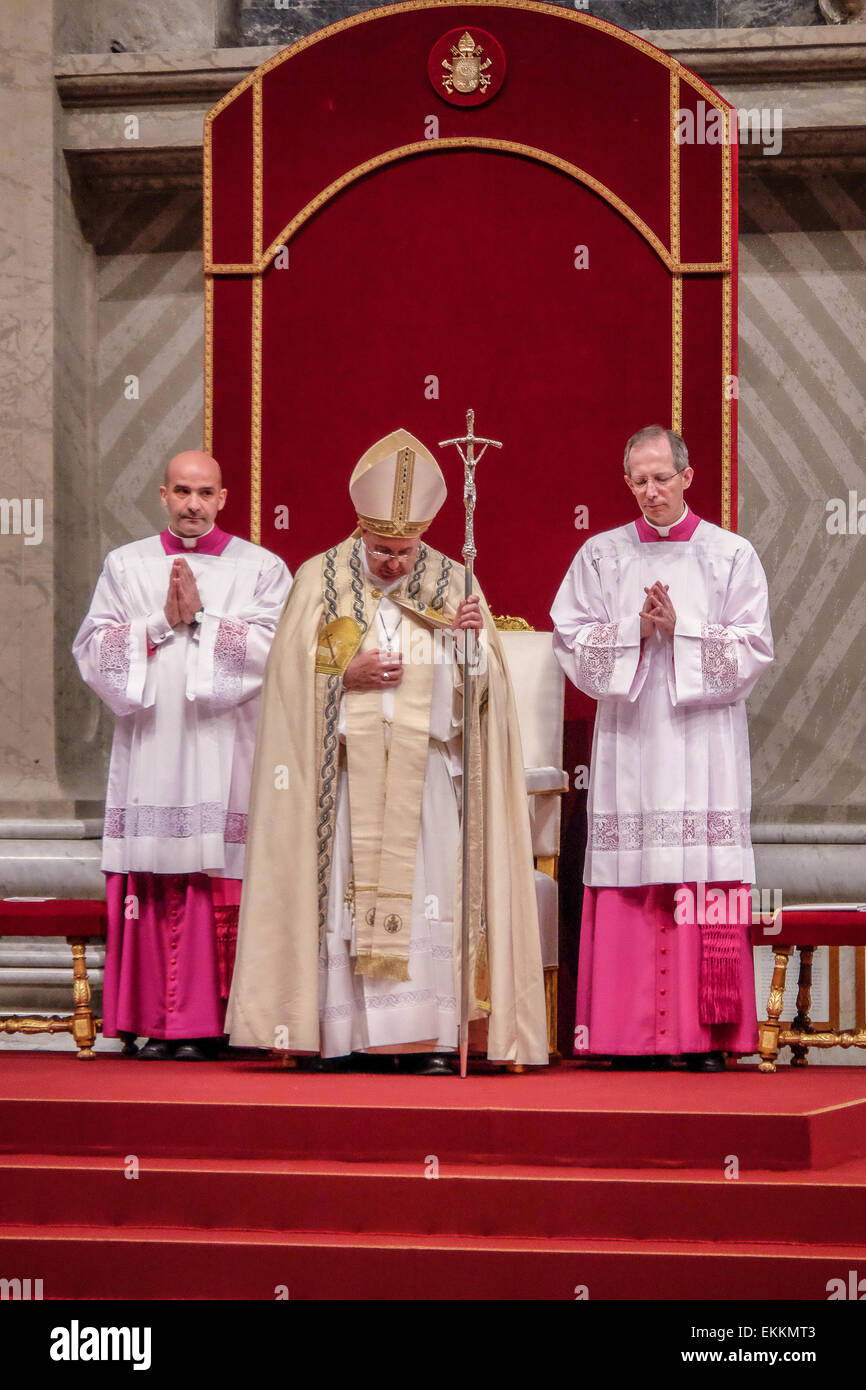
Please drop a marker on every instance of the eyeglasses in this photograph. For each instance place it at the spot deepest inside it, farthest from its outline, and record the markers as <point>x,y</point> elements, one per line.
<point>391,554</point>
<point>641,483</point>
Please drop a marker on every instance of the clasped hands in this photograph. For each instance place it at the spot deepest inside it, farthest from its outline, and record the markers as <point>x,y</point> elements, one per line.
<point>658,613</point>
<point>376,670</point>
<point>183,600</point>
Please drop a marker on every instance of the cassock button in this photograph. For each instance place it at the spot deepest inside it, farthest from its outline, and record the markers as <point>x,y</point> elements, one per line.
<point>377,593</point>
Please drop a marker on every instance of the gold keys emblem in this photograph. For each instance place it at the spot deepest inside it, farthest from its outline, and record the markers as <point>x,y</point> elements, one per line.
<point>467,73</point>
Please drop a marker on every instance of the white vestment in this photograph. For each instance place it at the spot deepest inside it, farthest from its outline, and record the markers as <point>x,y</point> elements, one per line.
<point>359,1012</point>
<point>670,787</point>
<point>178,783</point>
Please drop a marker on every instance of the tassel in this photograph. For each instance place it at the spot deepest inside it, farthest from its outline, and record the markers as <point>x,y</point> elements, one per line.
<point>720,1000</point>
<point>226,919</point>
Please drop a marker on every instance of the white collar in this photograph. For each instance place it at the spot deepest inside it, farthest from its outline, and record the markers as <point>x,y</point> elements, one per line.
<point>666,530</point>
<point>191,542</point>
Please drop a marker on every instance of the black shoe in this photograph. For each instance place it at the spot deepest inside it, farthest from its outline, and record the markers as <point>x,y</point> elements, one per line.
<point>648,1061</point>
<point>705,1061</point>
<point>434,1064</point>
<point>330,1064</point>
<point>156,1050</point>
<point>193,1050</point>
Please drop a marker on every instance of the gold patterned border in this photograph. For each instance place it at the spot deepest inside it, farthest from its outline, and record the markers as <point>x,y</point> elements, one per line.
<point>677,353</point>
<point>256,415</point>
<point>258,172</point>
<point>727,404</point>
<point>208,363</point>
<point>458,142</point>
<point>674,234</point>
<point>727,327</point>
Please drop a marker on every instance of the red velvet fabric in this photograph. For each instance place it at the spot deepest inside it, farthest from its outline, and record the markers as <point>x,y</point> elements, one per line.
<point>53,917</point>
<point>812,926</point>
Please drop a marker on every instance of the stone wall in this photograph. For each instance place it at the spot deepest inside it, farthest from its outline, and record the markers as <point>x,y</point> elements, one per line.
<point>100,26</point>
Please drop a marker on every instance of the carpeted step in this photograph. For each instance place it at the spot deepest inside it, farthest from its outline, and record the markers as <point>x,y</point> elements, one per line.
<point>565,1115</point>
<point>140,1263</point>
<point>506,1201</point>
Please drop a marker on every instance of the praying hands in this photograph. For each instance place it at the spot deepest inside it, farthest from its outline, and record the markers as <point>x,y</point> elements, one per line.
<point>658,613</point>
<point>183,600</point>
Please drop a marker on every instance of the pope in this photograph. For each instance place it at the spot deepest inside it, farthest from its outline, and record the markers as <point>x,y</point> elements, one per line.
<point>349,937</point>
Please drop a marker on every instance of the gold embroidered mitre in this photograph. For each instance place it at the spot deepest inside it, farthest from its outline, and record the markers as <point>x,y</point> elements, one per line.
<point>397,487</point>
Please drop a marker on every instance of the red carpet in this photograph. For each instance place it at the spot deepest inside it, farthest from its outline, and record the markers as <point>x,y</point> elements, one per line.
<point>250,1177</point>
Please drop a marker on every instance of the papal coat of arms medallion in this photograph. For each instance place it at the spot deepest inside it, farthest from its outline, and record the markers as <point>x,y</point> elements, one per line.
<point>466,67</point>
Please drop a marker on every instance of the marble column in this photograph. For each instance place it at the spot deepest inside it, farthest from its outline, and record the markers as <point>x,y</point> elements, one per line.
<point>28,781</point>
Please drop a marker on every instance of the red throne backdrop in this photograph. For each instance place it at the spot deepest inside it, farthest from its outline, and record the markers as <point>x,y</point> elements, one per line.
<point>381,252</point>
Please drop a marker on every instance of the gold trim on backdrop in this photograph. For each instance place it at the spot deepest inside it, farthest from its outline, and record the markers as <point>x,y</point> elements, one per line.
<point>676,277</point>
<point>258,163</point>
<point>458,142</point>
<point>674,234</point>
<point>727,405</point>
<point>207,195</point>
<point>208,363</point>
<point>727,328</point>
<point>677,353</point>
<point>256,416</point>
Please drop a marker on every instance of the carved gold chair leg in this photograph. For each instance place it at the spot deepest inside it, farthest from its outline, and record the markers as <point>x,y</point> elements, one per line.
<point>551,999</point>
<point>83,1025</point>
<point>768,1032</point>
<point>803,1022</point>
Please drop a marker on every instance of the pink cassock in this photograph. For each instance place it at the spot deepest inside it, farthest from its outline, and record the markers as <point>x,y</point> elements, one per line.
<point>638,978</point>
<point>169,954</point>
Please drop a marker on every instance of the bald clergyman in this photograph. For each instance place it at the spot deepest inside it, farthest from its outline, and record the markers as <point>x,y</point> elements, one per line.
<point>349,937</point>
<point>175,643</point>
